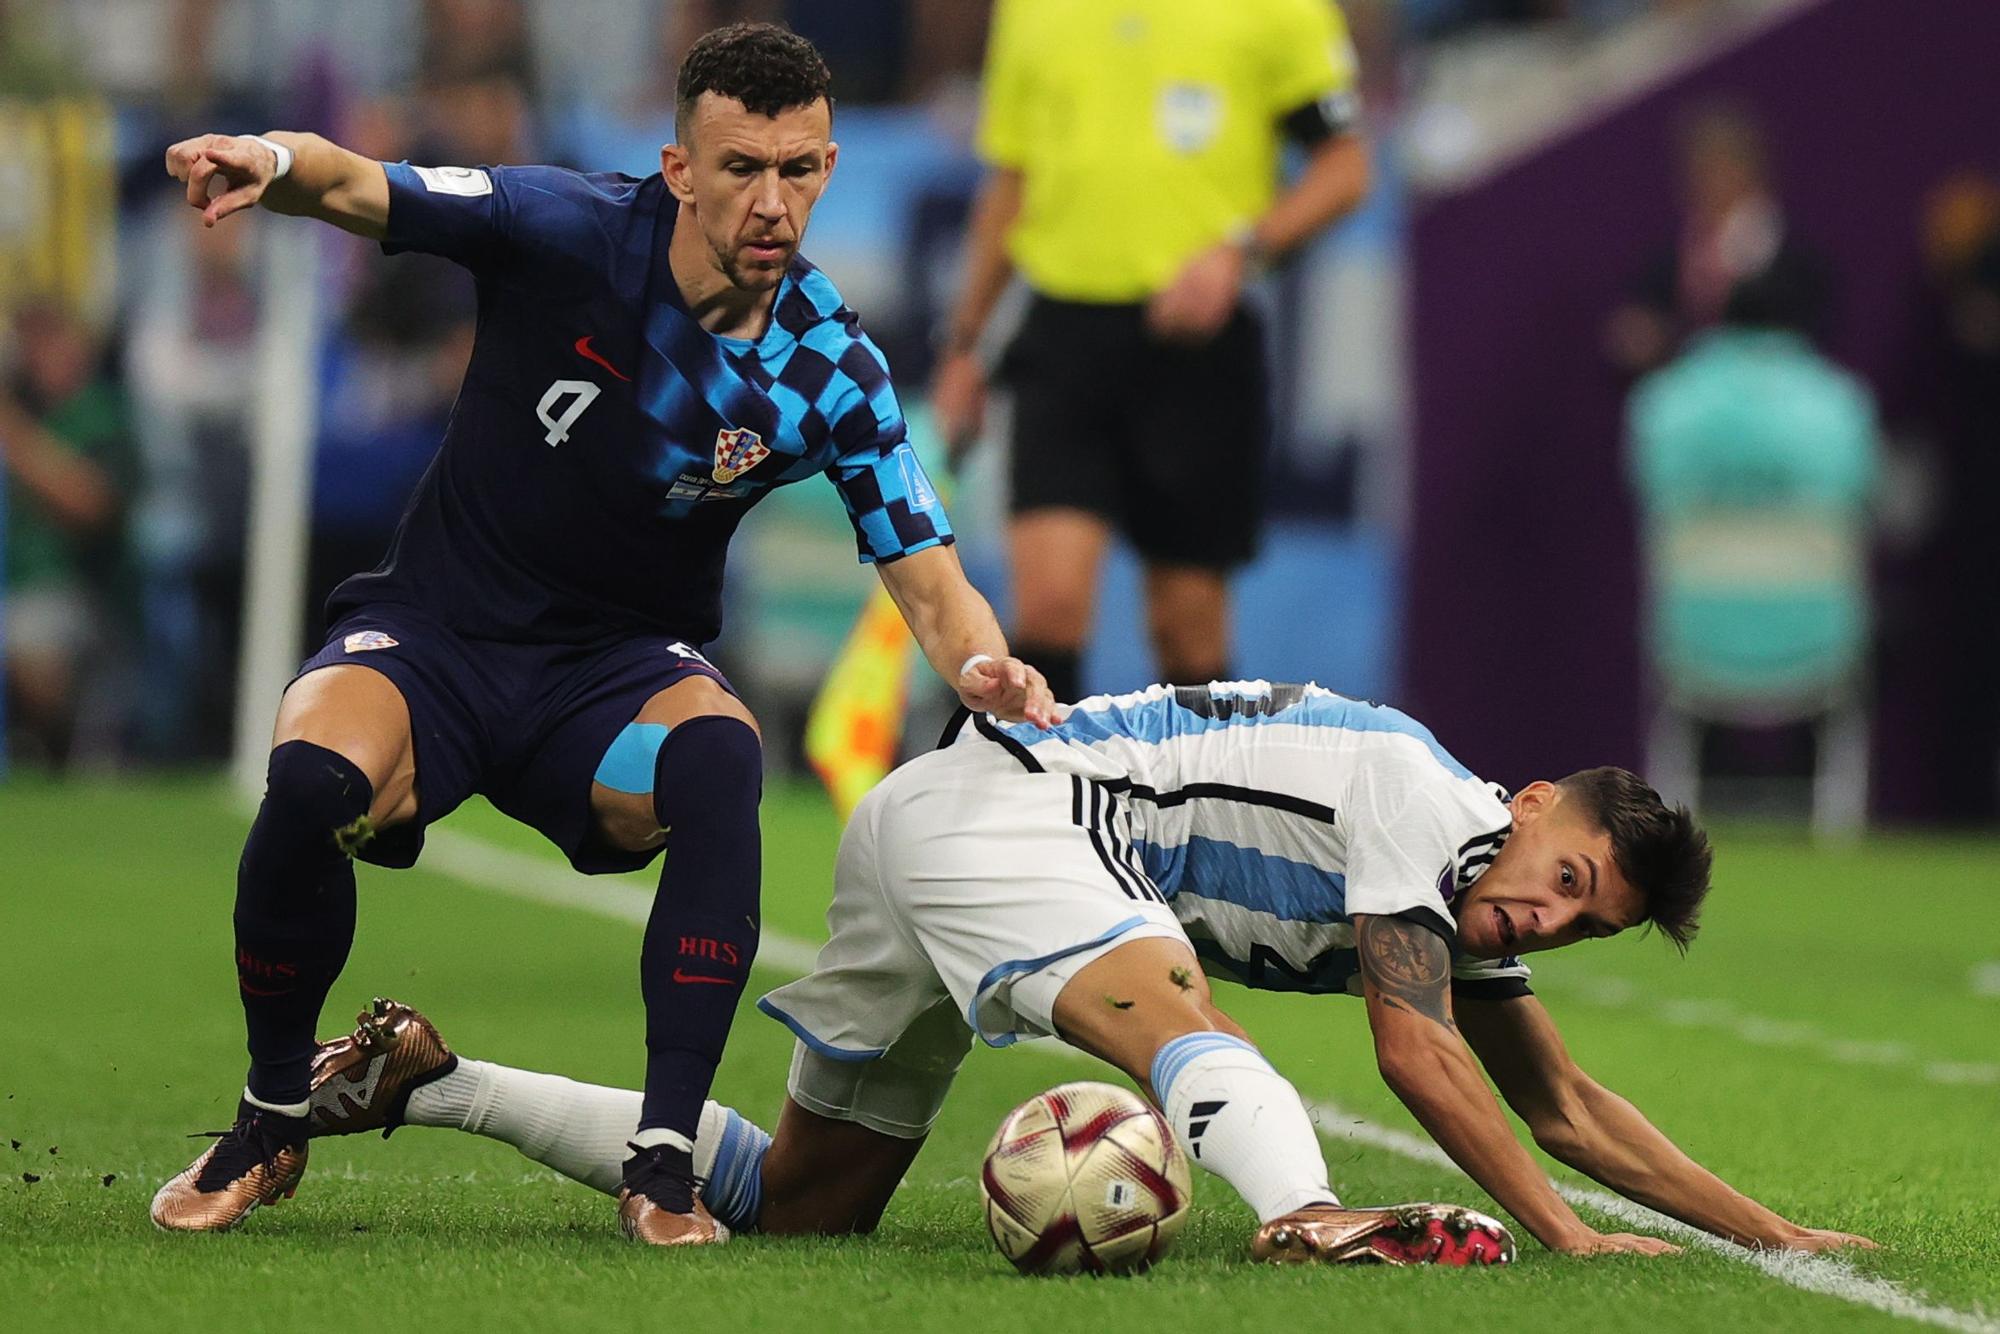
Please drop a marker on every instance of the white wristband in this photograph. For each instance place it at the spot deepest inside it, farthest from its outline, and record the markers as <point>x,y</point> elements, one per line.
<point>278,150</point>
<point>972,662</point>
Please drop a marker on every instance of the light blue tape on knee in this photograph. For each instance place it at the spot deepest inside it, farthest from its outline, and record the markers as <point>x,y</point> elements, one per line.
<point>629,760</point>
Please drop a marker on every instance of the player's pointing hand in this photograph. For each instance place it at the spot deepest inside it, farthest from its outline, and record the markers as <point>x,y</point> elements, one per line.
<point>243,167</point>
<point>1009,689</point>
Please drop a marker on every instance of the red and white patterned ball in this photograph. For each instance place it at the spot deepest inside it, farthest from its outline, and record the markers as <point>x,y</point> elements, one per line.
<point>1085,1178</point>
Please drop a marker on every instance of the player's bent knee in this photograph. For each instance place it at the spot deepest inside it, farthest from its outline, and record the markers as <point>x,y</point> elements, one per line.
<point>716,754</point>
<point>650,769</point>
<point>711,767</point>
<point>316,799</point>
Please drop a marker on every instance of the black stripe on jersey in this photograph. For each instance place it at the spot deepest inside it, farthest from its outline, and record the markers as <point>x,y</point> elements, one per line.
<point>1123,851</point>
<point>1105,839</point>
<point>1491,840</point>
<point>1476,854</point>
<point>1127,853</point>
<point>1089,826</point>
<point>953,726</point>
<point>1249,796</point>
<point>1014,748</point>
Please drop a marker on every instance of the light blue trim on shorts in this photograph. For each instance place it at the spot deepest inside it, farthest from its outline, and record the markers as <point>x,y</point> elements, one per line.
<point>818,1045</point>
<point>632,759</point>
<point>1001,972</point>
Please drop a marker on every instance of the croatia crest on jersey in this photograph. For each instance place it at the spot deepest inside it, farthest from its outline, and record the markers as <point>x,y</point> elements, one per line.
<point>737,451</point>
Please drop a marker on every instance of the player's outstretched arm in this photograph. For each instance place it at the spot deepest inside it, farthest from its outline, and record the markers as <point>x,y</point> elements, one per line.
<point>956,629</point>
<point>1406,980</point>
<point>226,173</point>
<point>1578,1121</point>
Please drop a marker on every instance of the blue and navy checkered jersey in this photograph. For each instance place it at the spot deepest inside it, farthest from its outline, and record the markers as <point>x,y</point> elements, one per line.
<point>604,446</point>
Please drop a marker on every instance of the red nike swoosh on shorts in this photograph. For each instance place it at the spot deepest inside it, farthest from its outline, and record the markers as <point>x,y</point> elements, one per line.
<point>584,350</point>
<point>680,976</point>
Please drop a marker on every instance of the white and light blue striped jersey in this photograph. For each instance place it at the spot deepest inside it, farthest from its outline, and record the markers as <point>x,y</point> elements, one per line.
<point>1269,815</point>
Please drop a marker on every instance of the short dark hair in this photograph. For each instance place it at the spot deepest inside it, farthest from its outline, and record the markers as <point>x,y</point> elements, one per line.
<point>766,67</point>
<point>1659,848</point>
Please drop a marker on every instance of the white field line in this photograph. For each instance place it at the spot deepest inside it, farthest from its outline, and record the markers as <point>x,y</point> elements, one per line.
<point>1986,979</point>
<point>537,880</point>
<point>1761,1031</point>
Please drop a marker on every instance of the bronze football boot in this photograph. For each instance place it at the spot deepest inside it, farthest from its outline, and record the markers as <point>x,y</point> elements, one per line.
<point>255,1162</point>
<point>363,1081</point>
<point>658,1204</point>
<point>1401,1234</point>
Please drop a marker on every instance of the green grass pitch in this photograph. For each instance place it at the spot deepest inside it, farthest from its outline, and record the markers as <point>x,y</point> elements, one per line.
<point>1824,1046</point>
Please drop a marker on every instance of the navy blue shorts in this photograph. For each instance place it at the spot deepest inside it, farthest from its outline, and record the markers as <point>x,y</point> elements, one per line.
<point>526,725</point>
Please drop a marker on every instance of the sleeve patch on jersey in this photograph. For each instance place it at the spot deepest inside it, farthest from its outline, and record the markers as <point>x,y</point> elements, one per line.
<point>916,485</point>
<point>466,182</point>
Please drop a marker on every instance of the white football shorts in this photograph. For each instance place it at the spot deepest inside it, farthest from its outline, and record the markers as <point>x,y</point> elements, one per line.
<point>967,892</point>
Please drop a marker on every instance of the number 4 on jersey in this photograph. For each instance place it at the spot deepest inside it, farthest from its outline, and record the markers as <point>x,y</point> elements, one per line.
<point>585,394</point>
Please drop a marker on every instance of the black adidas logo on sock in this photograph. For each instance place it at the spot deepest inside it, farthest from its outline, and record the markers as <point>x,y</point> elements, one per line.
<point>1199,1116</point>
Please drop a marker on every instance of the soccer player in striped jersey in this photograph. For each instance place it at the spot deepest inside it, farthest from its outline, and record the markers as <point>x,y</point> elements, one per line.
<point>1020,883</point>
<point>653,357</point>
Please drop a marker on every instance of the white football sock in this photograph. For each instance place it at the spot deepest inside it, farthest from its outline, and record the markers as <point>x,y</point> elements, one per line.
<point>281,1108</point>
<point>1241,1120</point>
<point>580,1130</point>
<point>584,1130</point>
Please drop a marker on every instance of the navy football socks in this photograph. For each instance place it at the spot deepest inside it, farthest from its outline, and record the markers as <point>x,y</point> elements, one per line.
<point>295,910</point>
<point>702,935</point>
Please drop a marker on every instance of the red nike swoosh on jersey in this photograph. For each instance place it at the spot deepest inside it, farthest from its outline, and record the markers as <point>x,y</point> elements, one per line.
<point>680,976</point>
<point>584,350</point>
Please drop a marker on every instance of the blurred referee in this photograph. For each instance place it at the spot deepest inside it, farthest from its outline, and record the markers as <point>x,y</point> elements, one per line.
<point>1134,148</point>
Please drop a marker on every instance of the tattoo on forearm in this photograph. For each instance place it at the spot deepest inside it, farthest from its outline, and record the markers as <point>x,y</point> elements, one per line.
<point>1408,965</point>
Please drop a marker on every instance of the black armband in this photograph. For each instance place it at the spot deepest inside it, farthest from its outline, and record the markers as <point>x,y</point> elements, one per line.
<point>1317,121</point>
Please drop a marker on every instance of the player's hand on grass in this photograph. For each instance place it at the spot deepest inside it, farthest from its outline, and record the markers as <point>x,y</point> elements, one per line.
<point>1822,1239</point>
<point>1618,1243</point>
<point>243,167</point>
<point>1009,689</point>
<point>958,402</point>
<point>1201,298</point>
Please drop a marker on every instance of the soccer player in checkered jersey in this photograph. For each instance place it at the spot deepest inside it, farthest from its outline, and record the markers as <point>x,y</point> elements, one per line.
<point>653,357</point>
<point>1077,881</point>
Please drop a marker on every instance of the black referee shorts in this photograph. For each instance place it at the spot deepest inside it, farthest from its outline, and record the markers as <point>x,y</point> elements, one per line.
<point>1167,442</point>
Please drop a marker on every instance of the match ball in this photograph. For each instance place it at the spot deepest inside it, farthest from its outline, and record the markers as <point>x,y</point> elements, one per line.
<point>1085,1178</point>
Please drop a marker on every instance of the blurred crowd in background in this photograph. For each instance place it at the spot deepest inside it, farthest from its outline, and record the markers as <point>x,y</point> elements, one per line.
<point>132,332</point>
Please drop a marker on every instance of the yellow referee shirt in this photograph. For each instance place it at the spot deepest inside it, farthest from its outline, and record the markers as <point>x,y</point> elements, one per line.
<point>1147,130</point>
